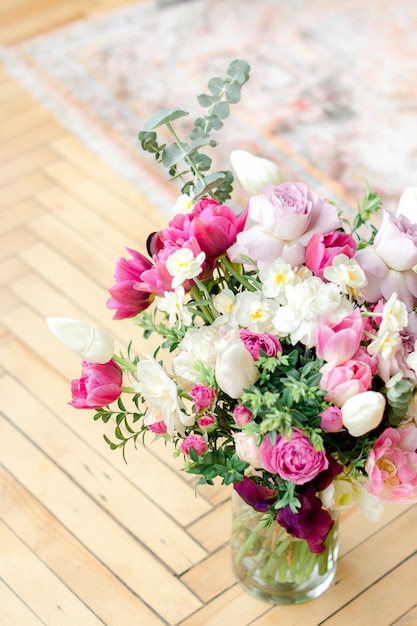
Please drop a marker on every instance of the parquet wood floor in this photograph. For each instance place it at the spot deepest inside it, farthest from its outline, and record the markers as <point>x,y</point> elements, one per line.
<point>84,538</point>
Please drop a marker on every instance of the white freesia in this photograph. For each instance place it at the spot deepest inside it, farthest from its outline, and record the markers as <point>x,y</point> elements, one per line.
<point>363,412</point>
<point>173,304</point>
<point>183,265</point>
<point>235,369</point>
<point>275,279</point>
<point>253,311</point>
<point>160,392</point>
<point>386,344</point>
<point>407,205</point>
<point>394,314</point>
<point>184,204</point>
<point>197,347</point>
<point>255,172</point>
<point>347,274</point>
<point>91,343</point>
<point>224,303</point>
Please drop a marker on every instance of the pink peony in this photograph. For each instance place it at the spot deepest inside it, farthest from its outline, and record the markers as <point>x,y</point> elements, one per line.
<point>159,428</point>
<point>207,422</point>
<point>126,297</point>
<point>293,459</point>
<point>392,465</point>
<point>257,342</point>
<point>338,342</point>
<point>284,218</point>
<point>197,442</point>
<point>321,250</point>
<point>344,381</point>
<point>99,385</point>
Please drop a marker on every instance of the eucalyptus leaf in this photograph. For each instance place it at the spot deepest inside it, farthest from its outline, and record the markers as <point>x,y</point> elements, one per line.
<point>164,116</point>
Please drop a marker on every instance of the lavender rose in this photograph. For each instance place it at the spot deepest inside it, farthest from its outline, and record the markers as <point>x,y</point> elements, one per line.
<point>293,459</point>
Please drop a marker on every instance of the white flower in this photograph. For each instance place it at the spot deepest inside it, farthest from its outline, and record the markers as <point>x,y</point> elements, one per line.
<point>160,392</point>
<point>345,492</point>
<point>275,279</point>
<point>386,344</point>
<point>307,301</point>
<point>363,412</point>
<point>224,303</point>
<point>235,369</point>
<point>253,311</point>
<point>348,274</point>
<point>255,172</point>
<point>183,265</point>
<point>184,204</point>
<point>173,304</point>
<point>196,347</point>
<point>91,343</point>
<point>412,363</point>
<point>408,204</point>
<point>247,450</point>
<point>394,314</point>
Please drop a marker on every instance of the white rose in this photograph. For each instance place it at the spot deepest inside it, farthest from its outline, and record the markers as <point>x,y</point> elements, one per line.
<point>247,450</point>
<point>235,369</point>
<point>363,412</point>
<point>91,343</point>
<point>255,172</point>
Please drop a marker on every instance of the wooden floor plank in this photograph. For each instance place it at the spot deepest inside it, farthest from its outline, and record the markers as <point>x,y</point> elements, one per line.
<point>38,587</point>
<point>13,611</point>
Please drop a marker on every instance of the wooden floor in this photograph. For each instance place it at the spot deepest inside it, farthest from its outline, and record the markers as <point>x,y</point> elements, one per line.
<point>84,538</point>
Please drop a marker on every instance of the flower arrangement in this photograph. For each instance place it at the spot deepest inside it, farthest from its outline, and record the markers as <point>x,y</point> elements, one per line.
<point>287,363</point>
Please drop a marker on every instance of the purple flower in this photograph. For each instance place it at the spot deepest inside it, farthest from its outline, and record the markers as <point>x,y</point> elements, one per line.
<point>311,522</point>
<point>258,497</point>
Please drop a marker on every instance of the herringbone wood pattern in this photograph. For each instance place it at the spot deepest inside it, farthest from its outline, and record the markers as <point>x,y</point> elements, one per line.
<point>84,538</point>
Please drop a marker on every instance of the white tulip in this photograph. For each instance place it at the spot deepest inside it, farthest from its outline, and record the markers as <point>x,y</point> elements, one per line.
<point>408,204</point>
<point>235,368</point>
<point>91,343</point>
<point>255,172</point>
<point>363,412</point>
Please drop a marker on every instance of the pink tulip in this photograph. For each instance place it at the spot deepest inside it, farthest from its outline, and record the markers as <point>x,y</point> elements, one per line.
<point>126,297</point>
<point>321,250</point>
<point>99,385</point>
<point>338,342</point>
<point>344,381</point>
<point>331,419</point>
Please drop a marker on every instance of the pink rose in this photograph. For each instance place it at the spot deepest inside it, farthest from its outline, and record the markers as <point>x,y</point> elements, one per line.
<point>242,415</point>
<point>344,381</point>
<point>125,296</point>
<point>321,250</point>
<point>257,342</point>
<point>202,396</point>
<point>99,385</point>
<point>197,442</point>
<point>207,422</point>
<point>247,449</point>
<point>284,219</point>
<point>338,342</point>
<point>293,459</point>
<point>392,465</point>
<point>331,419</point>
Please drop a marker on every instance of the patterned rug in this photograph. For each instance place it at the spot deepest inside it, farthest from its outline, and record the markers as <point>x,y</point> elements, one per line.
<point>332,96</point>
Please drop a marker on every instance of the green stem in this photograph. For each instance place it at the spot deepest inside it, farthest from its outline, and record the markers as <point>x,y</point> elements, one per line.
<point>231,269</point>
<point>125,363</point>
<point>196,173</point>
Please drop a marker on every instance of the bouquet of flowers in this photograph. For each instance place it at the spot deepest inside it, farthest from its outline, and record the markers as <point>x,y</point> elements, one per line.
<point>287,357</point>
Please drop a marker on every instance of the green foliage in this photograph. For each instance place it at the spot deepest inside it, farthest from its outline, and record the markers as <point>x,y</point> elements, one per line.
<point>369,206</point>
<point>399,391</point>
<point>222,92</point>
<point>222,462</point>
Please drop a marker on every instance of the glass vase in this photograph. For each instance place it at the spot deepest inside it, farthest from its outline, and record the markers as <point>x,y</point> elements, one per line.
<point>274,566</point>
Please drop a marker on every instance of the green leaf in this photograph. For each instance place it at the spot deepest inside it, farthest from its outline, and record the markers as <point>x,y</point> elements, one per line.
<point>204,100</point>
<point>164,116</point>
<point>173,154</point>
<point>221,110</point>
<point>239,71</point>
<point>216,86</point>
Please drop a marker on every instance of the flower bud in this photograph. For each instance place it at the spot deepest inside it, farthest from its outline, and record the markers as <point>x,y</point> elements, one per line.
<point>91,343</point>
<point>255,172</point>
<point>408,204</point>
<point>363,412</point>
